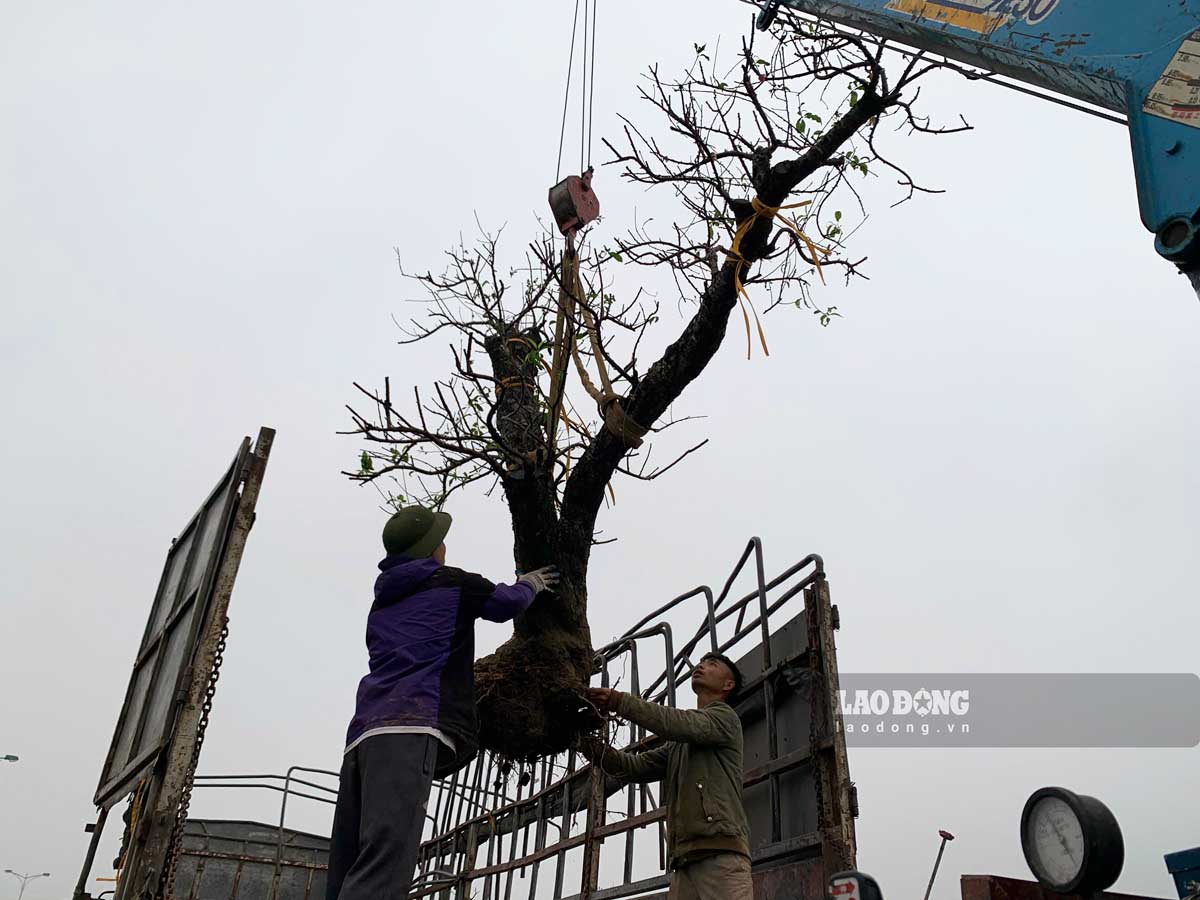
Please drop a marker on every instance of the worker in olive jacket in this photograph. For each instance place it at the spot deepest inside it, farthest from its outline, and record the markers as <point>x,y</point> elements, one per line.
<point>700,765</point>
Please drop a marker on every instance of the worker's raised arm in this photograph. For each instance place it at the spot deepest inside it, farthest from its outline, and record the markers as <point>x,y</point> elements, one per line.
<point>504,602</point>
<point>638,768</point>
<point>716,724</point>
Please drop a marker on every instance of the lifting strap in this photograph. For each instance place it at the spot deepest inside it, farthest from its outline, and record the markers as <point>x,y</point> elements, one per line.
<point>573,312</point>
<point>762,211</point>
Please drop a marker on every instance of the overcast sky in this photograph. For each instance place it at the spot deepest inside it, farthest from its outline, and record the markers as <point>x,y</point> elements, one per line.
<point>995,450</point>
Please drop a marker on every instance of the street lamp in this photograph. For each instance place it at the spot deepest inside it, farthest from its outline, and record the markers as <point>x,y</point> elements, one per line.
<point>25,879</point>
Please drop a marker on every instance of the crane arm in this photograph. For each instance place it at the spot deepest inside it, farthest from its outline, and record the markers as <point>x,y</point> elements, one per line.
<point>1140,58</point>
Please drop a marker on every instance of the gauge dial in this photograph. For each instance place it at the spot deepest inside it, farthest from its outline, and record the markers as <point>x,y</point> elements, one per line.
<point>1055,836</point>
<point>1072,843</point>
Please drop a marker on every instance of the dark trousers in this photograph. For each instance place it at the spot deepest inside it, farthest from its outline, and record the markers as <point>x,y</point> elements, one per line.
<point>379,816</point>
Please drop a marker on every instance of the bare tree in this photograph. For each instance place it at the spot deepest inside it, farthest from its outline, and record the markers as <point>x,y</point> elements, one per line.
<point>549,397</point>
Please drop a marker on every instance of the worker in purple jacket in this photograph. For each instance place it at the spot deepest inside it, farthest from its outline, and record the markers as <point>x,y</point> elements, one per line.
<point>415,716</point>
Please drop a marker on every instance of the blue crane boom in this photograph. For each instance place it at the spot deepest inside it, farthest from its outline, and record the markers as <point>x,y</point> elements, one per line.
<point>1140,58</point>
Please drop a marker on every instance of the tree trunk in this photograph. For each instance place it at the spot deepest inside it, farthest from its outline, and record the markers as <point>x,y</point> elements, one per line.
<point>529,691</point>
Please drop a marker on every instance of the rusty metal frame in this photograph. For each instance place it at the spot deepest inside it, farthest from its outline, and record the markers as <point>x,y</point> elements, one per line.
<point>203,858</point>
<point>260,782</point>
<point>263,782</point>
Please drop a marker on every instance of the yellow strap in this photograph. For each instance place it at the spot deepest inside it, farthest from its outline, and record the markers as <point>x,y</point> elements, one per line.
<point>571,300</point>
<point>573,291</point>
<point>514,381</point>
<point>565,351</point>
<point>558,364</point>
<point>597,352</point>
<point>761,210</point>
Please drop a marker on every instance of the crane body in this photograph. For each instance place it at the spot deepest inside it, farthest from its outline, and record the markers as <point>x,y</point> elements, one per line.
<point>1139,58</point>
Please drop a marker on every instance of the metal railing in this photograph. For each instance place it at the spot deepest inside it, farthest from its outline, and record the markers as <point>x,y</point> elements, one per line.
<point>327,795</point>
<point>495,828</point>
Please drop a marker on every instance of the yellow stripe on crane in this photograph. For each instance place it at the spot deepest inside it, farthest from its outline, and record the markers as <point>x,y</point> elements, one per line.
<point>979,22</point>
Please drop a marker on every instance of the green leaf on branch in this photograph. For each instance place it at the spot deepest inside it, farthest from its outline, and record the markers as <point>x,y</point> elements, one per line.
<point>827,316</point>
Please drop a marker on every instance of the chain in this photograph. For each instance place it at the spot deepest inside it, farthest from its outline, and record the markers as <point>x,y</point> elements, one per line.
<point>166,882</point>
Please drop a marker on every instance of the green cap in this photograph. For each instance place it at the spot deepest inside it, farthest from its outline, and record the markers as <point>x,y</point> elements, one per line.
<point>415,531</point>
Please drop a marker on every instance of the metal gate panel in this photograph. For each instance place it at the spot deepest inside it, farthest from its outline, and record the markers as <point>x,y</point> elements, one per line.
<point>169,640</point>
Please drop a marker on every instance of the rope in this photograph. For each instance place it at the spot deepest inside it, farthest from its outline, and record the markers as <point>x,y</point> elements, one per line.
<point>597,351</point>
<point>762,211</point>
<point>608,402</point>
<point>592,84</point>
<point>591,87</point>
<point>584,91</point>
<point>587,97</point>
<point>558,364</point>
<point>567,94</point>
<point>584,378</point>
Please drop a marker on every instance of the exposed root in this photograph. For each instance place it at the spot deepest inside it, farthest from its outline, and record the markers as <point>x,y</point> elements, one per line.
<point>529,695</point>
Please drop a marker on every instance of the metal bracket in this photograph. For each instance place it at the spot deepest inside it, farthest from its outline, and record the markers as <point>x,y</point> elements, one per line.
<point>184,684</point>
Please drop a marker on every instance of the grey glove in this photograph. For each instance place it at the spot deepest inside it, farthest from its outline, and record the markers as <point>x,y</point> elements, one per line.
<point>542,579</point>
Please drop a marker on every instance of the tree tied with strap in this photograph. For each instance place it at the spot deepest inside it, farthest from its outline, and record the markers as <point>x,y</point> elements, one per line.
<point>548,396</point>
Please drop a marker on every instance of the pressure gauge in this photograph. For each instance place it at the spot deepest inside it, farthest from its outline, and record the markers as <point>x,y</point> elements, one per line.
<point>1072,843</point>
